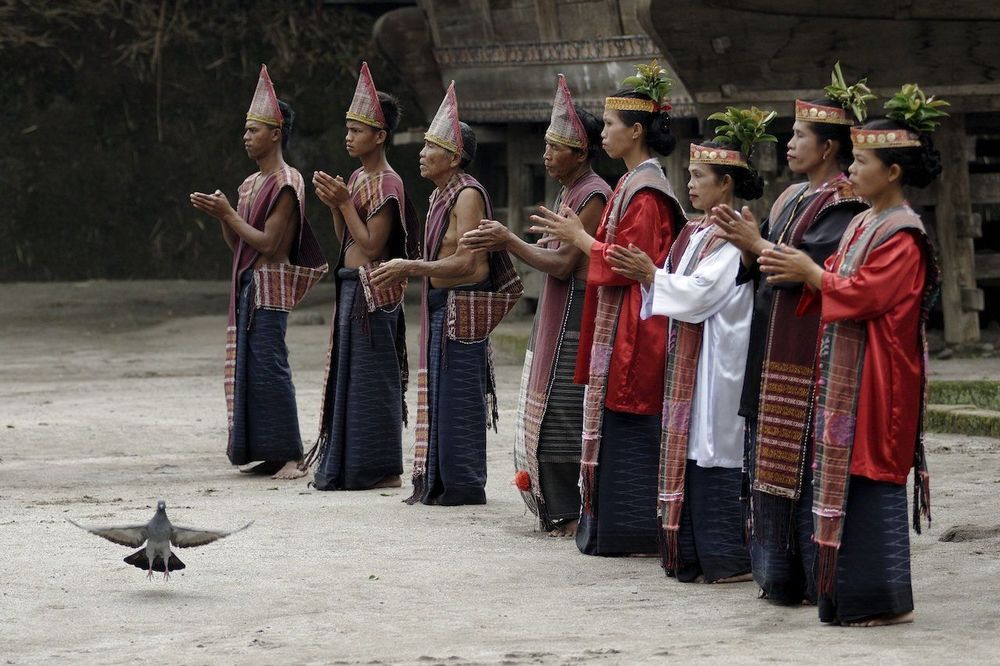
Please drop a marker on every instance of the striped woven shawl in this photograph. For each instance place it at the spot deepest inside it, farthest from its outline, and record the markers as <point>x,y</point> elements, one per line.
<point>841,357</point>
<point>647,175</point>
<point>680,373</point>
<point>544,349</point>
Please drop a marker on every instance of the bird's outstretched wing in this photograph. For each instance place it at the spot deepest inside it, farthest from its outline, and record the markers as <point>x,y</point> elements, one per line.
<point>185,537</point>
<point>127,535</point>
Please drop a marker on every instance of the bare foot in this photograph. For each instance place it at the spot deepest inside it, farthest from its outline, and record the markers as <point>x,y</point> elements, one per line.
<point>882,620</point>
<point>741,578</point>
<point>564,529</point>
<point>289,471</point>
<point>262,468</point>
<point>390,482</point>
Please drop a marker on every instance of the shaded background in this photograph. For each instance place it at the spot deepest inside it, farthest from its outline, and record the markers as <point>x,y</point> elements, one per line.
<point>114,110</point>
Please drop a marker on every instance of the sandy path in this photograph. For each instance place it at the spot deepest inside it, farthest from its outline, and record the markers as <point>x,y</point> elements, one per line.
<point>105,406</point>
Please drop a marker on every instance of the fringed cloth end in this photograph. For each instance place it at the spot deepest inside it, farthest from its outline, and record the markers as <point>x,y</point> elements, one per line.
<point>314,454</point>
<point>419,482</point>
<point>921,498</point>
<point>827,573</point>
<point>588,488</point>
<point>668,543</point>
<point>772,519</point>
<point>668,511</point>
<point>493,409</point>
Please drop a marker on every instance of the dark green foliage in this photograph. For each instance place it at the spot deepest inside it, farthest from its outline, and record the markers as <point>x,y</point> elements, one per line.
<point>115,110</point>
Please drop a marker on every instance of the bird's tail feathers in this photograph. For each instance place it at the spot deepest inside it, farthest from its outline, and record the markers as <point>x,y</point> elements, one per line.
<point>139,559</point>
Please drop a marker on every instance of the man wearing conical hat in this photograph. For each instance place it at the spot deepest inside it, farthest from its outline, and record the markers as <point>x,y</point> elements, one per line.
<point>276,259</point>
<point>465,295</point>
<point>547,440</point>
<point>360,443</point>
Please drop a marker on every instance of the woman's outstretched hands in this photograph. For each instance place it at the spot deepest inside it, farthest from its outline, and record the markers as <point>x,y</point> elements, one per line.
<point>632,263</point>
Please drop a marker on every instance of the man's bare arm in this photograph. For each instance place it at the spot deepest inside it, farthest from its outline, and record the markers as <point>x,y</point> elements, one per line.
<point>268,240</point>
<point>468,211</point>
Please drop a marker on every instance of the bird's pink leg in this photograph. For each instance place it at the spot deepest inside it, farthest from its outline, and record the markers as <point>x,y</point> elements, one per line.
<point>166,574</point>
<point>149,574</point>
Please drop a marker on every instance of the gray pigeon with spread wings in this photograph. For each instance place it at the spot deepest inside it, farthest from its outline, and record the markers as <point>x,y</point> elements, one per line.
<point>158,534</point>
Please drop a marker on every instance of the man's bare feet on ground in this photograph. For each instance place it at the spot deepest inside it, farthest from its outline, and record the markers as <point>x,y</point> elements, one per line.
<point>741,578</point>
<point>564,529</point>
<point>390,482</point>
<point>262,468</point>
<point>882,620</point>
<point>290,471</point>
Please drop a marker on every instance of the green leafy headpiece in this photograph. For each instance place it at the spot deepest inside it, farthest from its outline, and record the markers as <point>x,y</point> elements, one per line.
<point>911,107</point>
<point>744,128</point>
<point>853,98</point>
<point>650,80</point>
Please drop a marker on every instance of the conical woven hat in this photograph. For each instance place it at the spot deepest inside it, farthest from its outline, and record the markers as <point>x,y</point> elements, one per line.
<point>565,126</point>
<point>365,107</point>
<point>264,107</point>
<point>444,130</point>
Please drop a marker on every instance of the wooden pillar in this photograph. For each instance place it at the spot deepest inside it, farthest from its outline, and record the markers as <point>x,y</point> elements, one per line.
<point>518,191</point>
<point>961,301</point>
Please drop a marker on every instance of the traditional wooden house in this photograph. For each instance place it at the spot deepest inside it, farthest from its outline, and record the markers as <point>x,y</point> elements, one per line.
<point>504,56</point>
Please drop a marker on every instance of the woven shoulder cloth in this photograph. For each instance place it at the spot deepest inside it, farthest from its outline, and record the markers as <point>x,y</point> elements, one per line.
<point>283,286</point>
<point>841,358</point>
<point>472,315</point>
<point>679,378</point>
<point>648,175</point>
<point>370,193</point>
<point>786,387</point>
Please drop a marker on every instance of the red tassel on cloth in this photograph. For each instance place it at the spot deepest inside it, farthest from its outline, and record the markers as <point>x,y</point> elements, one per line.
<point>523,481</point>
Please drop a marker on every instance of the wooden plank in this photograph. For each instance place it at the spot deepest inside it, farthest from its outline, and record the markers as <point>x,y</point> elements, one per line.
<point>988,266</point>
<point>961,322</point>
<point>792,46</point>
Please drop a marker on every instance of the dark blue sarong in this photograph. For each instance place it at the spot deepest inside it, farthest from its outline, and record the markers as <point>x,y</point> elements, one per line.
<point>364,396</point>
<point>457,384</point>
<point>873,564</point>
<point>711,530</point>
<point>625,507</point>
<point>784,564</point>
<point>265,417</point>
<point>559,439</point>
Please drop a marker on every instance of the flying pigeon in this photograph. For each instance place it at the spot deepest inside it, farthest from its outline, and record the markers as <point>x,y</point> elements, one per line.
<point>158,534</point>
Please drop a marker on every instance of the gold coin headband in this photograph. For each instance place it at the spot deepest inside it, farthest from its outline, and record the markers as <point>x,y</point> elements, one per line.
<point>713,155</point>
<point>884,138</point>
<point>819,113</point>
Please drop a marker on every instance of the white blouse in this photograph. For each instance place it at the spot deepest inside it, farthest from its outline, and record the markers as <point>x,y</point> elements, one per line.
<point>710,295</point>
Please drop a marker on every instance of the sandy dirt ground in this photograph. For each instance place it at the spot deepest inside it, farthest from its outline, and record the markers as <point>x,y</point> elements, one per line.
<point>111,398</point>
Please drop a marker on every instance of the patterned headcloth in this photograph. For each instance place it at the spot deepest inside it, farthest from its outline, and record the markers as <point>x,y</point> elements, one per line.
<point>444,130</point>
<point>565,126</point>
<point>365,107</point>
<point>264,107</point>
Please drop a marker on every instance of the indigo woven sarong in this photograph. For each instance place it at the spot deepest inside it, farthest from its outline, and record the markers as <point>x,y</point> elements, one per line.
<point>457,382</point>
<point>559,439</point>
<point>625,520</point>
<point>785,568</point>
<point>711,530</point>
<point>365,422</point>
<point>265,417</point>
<point>873,564</point>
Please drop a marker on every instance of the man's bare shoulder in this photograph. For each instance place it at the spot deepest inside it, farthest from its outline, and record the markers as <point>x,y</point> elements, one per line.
<point>470,201</point>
